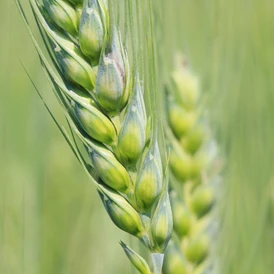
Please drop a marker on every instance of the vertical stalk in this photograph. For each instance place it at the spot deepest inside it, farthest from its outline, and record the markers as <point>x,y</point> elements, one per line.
<point>157,260</point>
<point>152,67</point>
<point>133,39</point>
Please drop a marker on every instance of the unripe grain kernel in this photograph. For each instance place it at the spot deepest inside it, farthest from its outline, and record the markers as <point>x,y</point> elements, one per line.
<point>110,170</point>
<point>162,224</point>
<point>149,179</point>
<point>180,164</point>
<point>187,88</point>
<point>202,200</point>
<point>110,85</point>
<point>63,15</point>
<point>95,124</point>
<point>197,249</point>
<point>122,213</point>
<point>92,30</point>
<point>174,262</point>
<point>193,141</point>
<point>180,120</point>
<point>112,79</point>
<point>73,64</point>
<point>182,220</point>
<point>132,136</point>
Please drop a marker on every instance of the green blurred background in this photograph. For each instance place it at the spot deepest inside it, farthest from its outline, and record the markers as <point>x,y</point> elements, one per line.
<point>51,220</point>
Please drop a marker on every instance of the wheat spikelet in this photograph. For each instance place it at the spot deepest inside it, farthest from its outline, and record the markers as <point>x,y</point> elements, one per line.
<point>104,105</point>
<point>192,167</point>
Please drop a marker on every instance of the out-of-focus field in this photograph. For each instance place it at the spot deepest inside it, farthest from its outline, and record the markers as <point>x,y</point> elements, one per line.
<point>51,219</point>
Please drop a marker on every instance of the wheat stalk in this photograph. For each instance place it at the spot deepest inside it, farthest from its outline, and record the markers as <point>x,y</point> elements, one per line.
<point>192,158</point>
<point>103,100</point>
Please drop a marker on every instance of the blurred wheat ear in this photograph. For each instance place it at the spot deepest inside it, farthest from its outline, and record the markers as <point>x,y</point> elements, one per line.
<point>193,170</point>
<point>103,100</point>
<point>232,52</point>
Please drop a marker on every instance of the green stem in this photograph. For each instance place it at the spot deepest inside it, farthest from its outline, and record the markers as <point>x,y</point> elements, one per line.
<point>157,260</point>
<point>111,20</point>
<point>132,37</point>
<point>140,66</point>
<point>152,67</point>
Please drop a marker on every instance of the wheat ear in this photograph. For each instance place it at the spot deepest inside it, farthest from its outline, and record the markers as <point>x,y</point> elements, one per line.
<point>191,164</point>
<point>104,105</point>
